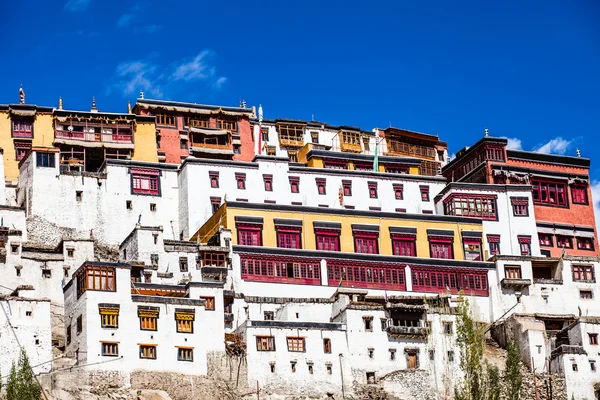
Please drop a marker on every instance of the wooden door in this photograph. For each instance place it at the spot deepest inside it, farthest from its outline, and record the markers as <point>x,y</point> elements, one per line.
<point>412,361</point>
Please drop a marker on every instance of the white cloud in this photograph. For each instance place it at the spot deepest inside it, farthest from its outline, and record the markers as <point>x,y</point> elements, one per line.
<point>514,144</point>
<point>595,186</point>
<point>156,80</point>
<point>77,5</point>
<point>554,146</point>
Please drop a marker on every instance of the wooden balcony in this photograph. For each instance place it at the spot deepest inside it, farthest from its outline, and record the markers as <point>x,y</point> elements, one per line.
<point>407,331</point>
<point>291,141</point>
<point>94,137</point>
<point>518,284</point>
<point>399,148</point>
<point>350,147</point>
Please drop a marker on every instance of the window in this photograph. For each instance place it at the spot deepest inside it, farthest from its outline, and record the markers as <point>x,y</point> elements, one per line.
<point>249,235</point>
<point>264,131</point>
<point>450,356</point>
<point>494,244</point>
<point>69,334</point>
<point>45,160</point>
<point>109,317</point>
<point>293,365</point>
<point>294,184</point>
<point>280,269</point>
<point>110,349</point>
<point>145,181</point>
<point>365,243</point>
<point>70,252</point>
<point>327,346</point>
<point>265,343</point>
<point>371,352</point>
<point>403,245</point>
<point>214,179</point>
<point>214,259</point>
<point>593,337</point>
<point>583,273</point>
<point>271,150</point>
<point>183,264</point>
<point>447,327</point>
<point>424,192</point>
<point>472,248</point>
<point>347,187</point>
<point>22,128</point>
<point>288,238</point>
<point>153,207</point>
<point>440,247</point>
<point>96,278</point>
<point>574,367</point>
<point>366,275</point>
<point>237,149</point>
<point>154,260</point>
<point>512,271</point>
<point>166,119</point>
<point>268,315</point>
<point>564,242</point>
<point>148,318</point>
<point>183,144</point>
<point>198,121</point>
<point>328,240</point>
<point>392,354</point>
<point>525,245</point>
<point>21,148</point>
<point>79,324</point>
<point>46,273</point>
<point>585,243</point>
<point>545,239</point>
<point>398,191</point>
<point>185,321</point>
<point>18,270</point>
<point>463,205</point>
<point>210,303</point>
<point>185,354</point>
<point>593,365</point>
<point>148,351</point>
<point>314,137</point>
<point>129,204</point>
<point>368,321</point>
<point>438,280</point>
<point>335,164</point>
<point>240,178</point>
<point>579,194</point>
<point>366,141</point>
<point>586,294</point>
<point>215,203</point>
<point>268,180</point>
<point>520,206</point>
<point>228,124</point>
<point>329,369</point>
<point>383,322</point>
<point>549,192</point>
<point>351,137</point>
<point>293,156</point>
<point>372,190</point>
<point>321,187</point>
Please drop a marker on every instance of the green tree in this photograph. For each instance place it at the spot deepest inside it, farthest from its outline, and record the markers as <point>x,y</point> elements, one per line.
<point>493,382</point>
<point>21,383</point>
<point>512,375</point>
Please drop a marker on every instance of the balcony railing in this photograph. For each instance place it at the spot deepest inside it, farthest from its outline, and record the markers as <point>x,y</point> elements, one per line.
<point>396,147</point>
<point>94,137</point>
<point>407,331</point>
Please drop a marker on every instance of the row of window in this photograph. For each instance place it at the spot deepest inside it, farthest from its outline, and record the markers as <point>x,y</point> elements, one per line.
<point>170,119</point>
<point>482,206</point>
<point>345,190</point>
<point>524,244</point>
<point>294,344</point>
<point>579,273</point>
<point>566,242</point>
<point>109,318</point>
<point>146,351</point>
<point>554,193</point>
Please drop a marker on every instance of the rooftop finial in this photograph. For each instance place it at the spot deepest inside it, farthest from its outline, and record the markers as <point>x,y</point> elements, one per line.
<point>578,152</point>
<point>94,104</point>
<point>21,95</point>
<point>60,106</point>
<point>128,107</point>
<point>486,132</point>
<point>141,94</point>
<point>243,104</point>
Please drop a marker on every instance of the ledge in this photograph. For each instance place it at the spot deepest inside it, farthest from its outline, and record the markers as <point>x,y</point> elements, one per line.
<point>404,331</point>
<point>547,281</point>
<point>567,349</point>
<point>297,325</point>
<point>515,283</point>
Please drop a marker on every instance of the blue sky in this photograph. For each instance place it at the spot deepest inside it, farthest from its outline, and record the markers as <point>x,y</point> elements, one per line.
<point>526,70</point>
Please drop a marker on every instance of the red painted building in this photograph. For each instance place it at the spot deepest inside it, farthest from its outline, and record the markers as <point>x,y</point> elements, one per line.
<point>562,199</point>
<point>204,131</point>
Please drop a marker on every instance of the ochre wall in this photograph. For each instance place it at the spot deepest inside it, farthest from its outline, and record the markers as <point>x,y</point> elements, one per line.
<point>269,238</point>
<point>144,142</point>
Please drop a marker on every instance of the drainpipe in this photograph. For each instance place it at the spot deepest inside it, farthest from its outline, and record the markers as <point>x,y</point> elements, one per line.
<point>342,375</point>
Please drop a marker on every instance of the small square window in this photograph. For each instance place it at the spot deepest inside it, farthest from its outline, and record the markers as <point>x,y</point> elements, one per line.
<point>70,253</point>
<point>28,313</point>
<point>329,369</point>
<point>321,186</point>
<point>154,260</point>
<point>327,345</point>
<point>183,144</point>
<point>214,179</point>
<point>268,181</point>
<point>432,355</point>
<point>450,356</point>
<point>372,190</point>
<point>18,270</point>
<point>183,264</point>
<point>574,366</point>
<point>424,192</point>
<point>371,352</point>
<point>314,137</point>
<point>392,354</point>
<point>586,294</point>
<point>210,303</point>
<point>185,354</point>
<point>593,365</point>
<point>269,315</point>
<point>78,195</point>
<point>294,184</point>
<point>110,349</point>
<point>447,328</point>
<point>310,369</point>
<point>293,365</point>
<point>152,207</point>
<point>593,338</point>
<point>129,205</point>
<point>347,188</point>
<point>383,324</point>
<point>46,273</point>
<point>272,367</point>
<point>14,248</point>
<point>399,191</point>
<point>237,149</point>
<point>293,156</point>
<point>148,351</point>
<point>240,181</point>
<point>368,324</point>
<point>265,134</point>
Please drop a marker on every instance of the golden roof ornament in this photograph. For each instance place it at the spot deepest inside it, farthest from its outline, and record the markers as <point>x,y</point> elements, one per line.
<point>128,107</point>
<point>60,104</point>
<point>21,95</point>
<point>94,109</point>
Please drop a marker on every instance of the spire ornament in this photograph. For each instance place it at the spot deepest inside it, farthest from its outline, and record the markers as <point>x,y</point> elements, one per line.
<point>60,103</point>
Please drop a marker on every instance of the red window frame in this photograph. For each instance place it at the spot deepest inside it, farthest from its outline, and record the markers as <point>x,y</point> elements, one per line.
<point>296,344</point>
<point>472,282</point>
<point>579,194</point>
<point>294,184</point>
<point>551,193</point>
<point>21,149</point>
<point>366,242</point>
<point>145,181</point>
<point>583,273</point>
<point>268,181</point>
<point>240,179</point>
<point>214,179</point>
<point>363,167</point>
<point>584,243</point>
<point>520,207</point>
<point>403,245</point>
<point>296,270</point>
<point>327,240</point>
<point>469,246</point>
<point>424,192</point>
<point>360,274</point>
<point>215,203</point>
<point>396,169</point>
<point>494,244</point>
<point>546,239</point>
<point>525,245</point>
<point>564,241</point>
<point>22,127</point>
<point>398,191</point>
<point>470,205</point>
<point>321,185</point>
<point>249,234</point>
<point>347,188</point>
<point>372,190</point>
<point>289,238</point>
<point>441,247</point>
<point>335,164</point>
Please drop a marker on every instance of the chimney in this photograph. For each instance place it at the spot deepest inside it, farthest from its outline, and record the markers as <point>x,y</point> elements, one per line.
<point>128,107</point>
